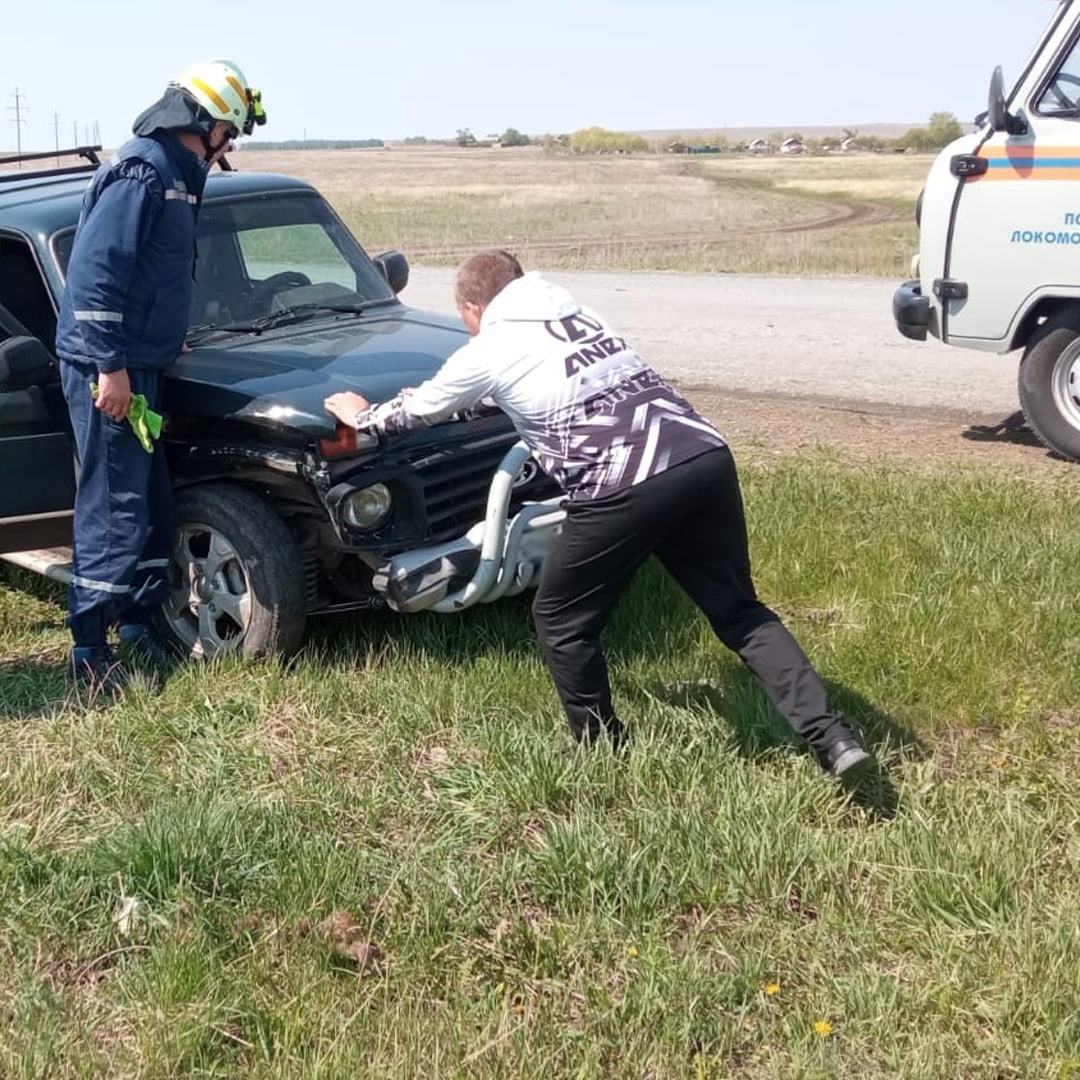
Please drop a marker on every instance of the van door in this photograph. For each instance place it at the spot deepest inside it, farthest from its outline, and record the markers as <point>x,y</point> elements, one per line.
<point>1015,230</point>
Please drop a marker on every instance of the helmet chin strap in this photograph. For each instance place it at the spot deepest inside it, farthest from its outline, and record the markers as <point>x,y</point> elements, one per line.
<point>209,150</point>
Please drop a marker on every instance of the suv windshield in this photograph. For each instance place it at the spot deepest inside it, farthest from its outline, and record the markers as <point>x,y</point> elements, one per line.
<point>260,256</point>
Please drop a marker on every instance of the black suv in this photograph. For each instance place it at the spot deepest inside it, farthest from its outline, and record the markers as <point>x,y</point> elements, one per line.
<point>281,514</point>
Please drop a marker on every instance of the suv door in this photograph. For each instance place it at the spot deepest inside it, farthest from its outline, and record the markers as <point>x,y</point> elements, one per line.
<point>37,470</point>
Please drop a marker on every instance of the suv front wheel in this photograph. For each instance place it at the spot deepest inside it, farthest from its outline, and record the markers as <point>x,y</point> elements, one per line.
<point>1049,384</point>
<point>235,581</point>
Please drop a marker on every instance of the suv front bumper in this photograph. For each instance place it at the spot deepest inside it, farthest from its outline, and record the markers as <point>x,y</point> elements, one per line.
<point>499,556</point>
<point>911,310</point>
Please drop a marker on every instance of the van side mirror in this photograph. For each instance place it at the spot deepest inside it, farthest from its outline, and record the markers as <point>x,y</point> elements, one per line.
<point>395,268</point>
<point>999,117</point>
<point>24,362</point>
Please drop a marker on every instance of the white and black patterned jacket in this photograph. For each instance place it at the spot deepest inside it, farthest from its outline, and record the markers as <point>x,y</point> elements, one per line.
<point>595,415</point>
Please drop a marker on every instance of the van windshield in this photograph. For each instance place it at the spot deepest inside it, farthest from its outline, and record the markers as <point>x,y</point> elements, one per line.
<point>1062,94</point>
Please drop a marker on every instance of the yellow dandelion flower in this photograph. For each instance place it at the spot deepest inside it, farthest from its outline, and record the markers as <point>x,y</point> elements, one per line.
<point>823,1028</point>
<point>772,989</point>
<point>632,952</point>
<point>518,1007</point>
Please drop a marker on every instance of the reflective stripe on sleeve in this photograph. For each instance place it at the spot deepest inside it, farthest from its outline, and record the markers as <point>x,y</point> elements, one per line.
<point>185,196</point>
<point>99,316</point>
<point>147,564</point>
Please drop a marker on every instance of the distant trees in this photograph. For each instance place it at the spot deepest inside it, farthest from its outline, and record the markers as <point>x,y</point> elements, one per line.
<point>553,143</point>
<point>942,130</point>
<point>415,140</point>
<point>695,140</point>
<point>873,143</point>
<point>465,137</point>
<point>596,140</point>
<point>513,137</point>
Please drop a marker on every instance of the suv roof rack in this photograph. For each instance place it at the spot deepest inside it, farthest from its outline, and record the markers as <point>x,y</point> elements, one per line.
<point>88,152</point>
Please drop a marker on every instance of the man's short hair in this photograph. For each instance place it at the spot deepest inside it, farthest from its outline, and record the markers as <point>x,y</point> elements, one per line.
<point>482,276</point>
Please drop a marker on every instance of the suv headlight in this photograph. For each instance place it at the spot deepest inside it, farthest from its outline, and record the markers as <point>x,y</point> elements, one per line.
<point>367,508</point>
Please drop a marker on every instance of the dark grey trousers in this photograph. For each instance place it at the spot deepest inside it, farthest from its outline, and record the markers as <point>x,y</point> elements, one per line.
<point>691,518</point>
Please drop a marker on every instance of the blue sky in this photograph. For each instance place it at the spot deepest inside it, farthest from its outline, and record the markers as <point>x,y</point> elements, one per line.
<point>428,68</point>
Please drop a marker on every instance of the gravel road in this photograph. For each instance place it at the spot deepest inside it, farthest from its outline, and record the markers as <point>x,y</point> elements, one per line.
<point>792,337</point>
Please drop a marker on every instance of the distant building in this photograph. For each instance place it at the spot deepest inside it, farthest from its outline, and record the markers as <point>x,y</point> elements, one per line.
<point>686,148</point>
<point>793,146</point>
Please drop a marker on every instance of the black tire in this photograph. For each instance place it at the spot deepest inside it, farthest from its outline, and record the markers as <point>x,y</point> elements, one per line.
<point>235,579</point>
<point>1049,384</point>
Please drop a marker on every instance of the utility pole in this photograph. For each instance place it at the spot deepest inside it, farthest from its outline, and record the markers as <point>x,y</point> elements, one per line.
<point>74,132</point>
<point>56,134</point>
<point>18,120</point>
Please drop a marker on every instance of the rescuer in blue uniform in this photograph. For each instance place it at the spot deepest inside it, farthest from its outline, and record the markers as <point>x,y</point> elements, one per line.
<point>123,319</point>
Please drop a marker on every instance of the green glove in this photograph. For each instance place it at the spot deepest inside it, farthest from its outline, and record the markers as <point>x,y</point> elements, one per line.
<point>143,420</point>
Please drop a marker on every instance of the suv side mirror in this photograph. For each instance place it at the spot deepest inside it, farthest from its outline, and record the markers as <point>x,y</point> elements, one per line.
<point>24,362</point>
<point>395,268</point>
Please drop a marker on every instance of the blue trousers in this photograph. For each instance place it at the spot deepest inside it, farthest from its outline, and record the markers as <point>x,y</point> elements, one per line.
<point>123,511</point>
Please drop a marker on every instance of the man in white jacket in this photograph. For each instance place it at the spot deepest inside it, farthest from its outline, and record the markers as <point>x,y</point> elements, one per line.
<point>643,473</point>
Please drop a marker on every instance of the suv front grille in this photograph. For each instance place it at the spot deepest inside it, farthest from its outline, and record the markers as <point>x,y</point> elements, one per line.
<point>456,483</point>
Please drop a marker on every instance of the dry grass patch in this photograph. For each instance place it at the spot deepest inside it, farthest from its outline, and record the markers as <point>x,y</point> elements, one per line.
<point>864,176</point>
<point>650,211</point>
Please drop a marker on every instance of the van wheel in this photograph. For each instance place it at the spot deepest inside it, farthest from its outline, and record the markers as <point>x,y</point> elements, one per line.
<point>1049,384</point>
<point>235,580</point>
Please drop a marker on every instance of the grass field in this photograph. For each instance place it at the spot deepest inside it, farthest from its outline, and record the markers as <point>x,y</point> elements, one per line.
<point>650,211</point>
<point>377,861</point>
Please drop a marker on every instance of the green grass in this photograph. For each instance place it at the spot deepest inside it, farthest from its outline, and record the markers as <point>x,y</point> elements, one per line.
<point>166,863</point>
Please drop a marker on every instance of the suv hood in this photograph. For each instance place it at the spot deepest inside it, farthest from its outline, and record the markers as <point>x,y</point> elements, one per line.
<point>281,377</point>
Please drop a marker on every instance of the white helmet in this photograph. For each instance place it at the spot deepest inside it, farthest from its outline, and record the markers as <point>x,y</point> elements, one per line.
<point>222,92</point>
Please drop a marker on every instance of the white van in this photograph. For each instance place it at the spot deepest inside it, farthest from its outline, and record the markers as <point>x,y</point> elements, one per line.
<point>999,247</point>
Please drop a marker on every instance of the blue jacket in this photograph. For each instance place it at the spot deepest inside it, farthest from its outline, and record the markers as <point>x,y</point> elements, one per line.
<point>129,277</point>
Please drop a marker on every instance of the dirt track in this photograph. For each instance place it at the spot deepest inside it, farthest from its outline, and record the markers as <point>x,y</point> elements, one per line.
<point>935,440</point>
<point>840,215</point>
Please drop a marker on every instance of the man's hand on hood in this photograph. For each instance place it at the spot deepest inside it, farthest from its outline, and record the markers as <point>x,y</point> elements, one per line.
<point>345,405</point>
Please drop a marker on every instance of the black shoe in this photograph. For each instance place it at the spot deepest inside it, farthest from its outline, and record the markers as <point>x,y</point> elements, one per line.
<point>843,757</point>
<point>140,647</point>
<point>612,732</point>
<point>97,671</point>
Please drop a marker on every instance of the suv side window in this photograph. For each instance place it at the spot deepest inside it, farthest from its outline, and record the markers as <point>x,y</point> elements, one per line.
<point>23,292</point>
<point>1061,97</point>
